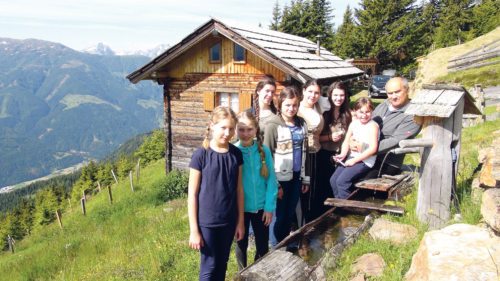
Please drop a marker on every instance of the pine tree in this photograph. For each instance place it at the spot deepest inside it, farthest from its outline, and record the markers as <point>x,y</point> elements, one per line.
<point>308,19</point>
<point>104,174</point>
<point>345,43</point>
<point>453,23</point>
<point>485,17</point>
<point>386,30</point>
<point>276,17</point>
<point>124,166</point>
<point>45,207</point>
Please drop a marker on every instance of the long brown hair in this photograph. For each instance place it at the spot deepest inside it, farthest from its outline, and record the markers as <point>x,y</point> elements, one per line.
<point>247,115</point>
<point>345,116</point>
<point>267,80</point>
<point>219,113</point>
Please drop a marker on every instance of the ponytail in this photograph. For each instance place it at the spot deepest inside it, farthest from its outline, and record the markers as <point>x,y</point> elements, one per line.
<point>206,140</point>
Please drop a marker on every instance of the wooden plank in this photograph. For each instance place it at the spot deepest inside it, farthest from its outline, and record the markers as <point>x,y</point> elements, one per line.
<point>449,97</point>
<point>335,202</point>
<point>380,184</point>
<point>426,96</point>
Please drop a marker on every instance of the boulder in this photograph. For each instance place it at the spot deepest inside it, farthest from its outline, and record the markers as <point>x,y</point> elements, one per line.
<point>490,208</point>
<point>456,252</point>
<point>369,264</point>
<point>391,231</point>
<point>490,157</point>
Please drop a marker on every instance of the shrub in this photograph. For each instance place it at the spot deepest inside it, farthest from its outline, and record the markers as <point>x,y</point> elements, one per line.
<point>173,185</point>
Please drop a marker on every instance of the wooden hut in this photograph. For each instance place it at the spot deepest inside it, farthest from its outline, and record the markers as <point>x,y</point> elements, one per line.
<point>220,64</point>
<point>439,109</point>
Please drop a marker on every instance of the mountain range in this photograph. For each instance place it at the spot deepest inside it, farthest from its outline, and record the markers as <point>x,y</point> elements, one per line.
<point>105,50</point>
<point>59,106</point>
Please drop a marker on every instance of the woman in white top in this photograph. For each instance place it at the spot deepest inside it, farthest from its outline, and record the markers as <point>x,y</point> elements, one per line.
<point>311,112</point>
<point>362,130</point>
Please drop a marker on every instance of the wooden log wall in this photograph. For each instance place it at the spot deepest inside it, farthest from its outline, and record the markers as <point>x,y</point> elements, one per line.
<point>189,119</point>
<point>191,75</point>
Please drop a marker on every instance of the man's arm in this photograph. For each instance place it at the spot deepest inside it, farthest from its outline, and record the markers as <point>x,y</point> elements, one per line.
<point>405,130</point>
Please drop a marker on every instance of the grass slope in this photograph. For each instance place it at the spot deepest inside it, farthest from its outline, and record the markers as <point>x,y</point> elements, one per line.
<point>398,258</point>
<point>138,237</point>
<point>434,66</point>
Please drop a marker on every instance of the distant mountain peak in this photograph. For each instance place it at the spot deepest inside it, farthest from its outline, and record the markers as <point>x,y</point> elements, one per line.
<point>99,49</point>
<point>152,52</point>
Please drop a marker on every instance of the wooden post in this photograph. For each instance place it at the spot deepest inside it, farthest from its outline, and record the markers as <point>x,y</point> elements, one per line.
<point>83,195</point>
<point>110,195</point>
<point>11,243</point>
<point>434,192</point>
<point>138,169</point>
<point>168,126</point>
<point>84,211</point>
<point>59,218</point>
<point>99,186</point>
<point>131,181</point>
<point>114,176</point>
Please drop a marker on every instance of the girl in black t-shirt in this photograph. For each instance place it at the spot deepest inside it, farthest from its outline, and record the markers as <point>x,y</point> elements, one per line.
<point>215,195</point>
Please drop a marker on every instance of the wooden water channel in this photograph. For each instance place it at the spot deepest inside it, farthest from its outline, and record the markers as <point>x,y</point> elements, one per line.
<point>320,242</point>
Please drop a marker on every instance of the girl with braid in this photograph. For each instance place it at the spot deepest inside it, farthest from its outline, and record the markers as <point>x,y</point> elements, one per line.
<point>259,186</point>
<point>215,195</point>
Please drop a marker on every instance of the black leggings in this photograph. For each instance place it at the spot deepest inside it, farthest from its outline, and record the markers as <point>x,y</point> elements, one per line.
<point>261,233</point>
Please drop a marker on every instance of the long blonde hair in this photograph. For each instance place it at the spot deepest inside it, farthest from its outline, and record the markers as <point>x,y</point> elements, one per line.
<point>248,115</point>
<point>219,113</point>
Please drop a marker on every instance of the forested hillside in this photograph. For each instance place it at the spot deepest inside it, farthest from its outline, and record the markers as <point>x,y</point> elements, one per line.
<point>59,107</point>
<point>29,208</point>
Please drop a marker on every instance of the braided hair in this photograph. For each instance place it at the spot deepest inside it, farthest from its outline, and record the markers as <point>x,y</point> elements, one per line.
<point>248,115</point>
<point>219,113</point>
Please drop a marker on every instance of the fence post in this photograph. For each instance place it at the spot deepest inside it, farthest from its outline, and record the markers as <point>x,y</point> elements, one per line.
<point>99,186</point>
<point>131,181</point>
<point>59,218</point>
<point>84,211</point>
<point>114,176</point>
<point>138,169</point>
<point>11,243</point>
<point>110,195</point>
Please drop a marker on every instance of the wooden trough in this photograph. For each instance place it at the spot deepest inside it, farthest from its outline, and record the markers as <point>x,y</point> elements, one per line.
<point>280,264</point>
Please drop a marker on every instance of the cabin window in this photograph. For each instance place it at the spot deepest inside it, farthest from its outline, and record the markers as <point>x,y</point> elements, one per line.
<point>230,100</point>
<point>239,53</point>
<point>215,53</point>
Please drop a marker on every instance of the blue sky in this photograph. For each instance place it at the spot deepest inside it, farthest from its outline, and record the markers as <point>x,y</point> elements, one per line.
<point>130,24</point>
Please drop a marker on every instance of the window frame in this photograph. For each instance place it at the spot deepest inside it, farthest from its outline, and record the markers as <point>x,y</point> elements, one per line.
<point>235,46</point>
<point>219,43</point>
<point>230,96</point>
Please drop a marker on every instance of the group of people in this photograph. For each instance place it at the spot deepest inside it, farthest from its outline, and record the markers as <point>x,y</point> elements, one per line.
<point>295,146</point>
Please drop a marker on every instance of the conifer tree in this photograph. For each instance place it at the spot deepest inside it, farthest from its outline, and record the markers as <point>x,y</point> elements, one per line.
<point>453,23</point>
<point>386,30</point>
<point>45,207</point>
<point>276,17</point>
<point>345,43</point>
<point>485,17</point>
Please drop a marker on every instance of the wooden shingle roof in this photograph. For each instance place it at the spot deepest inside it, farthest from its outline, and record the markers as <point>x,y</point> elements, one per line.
<point>440,100</point>
<point>294,55</point>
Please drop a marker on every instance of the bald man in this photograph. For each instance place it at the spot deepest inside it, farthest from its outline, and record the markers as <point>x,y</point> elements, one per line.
<point>394,124</point>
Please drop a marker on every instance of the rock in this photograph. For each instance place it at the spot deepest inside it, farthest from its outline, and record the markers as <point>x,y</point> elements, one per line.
<point>476,191</point>
<point>369,264</point>
<point>488,177</point>
<point>456,252</point>
<point>490,208</point>
<point>395,232</point>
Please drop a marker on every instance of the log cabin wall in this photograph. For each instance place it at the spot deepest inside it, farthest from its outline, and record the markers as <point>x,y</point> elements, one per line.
<point>192,78</point>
